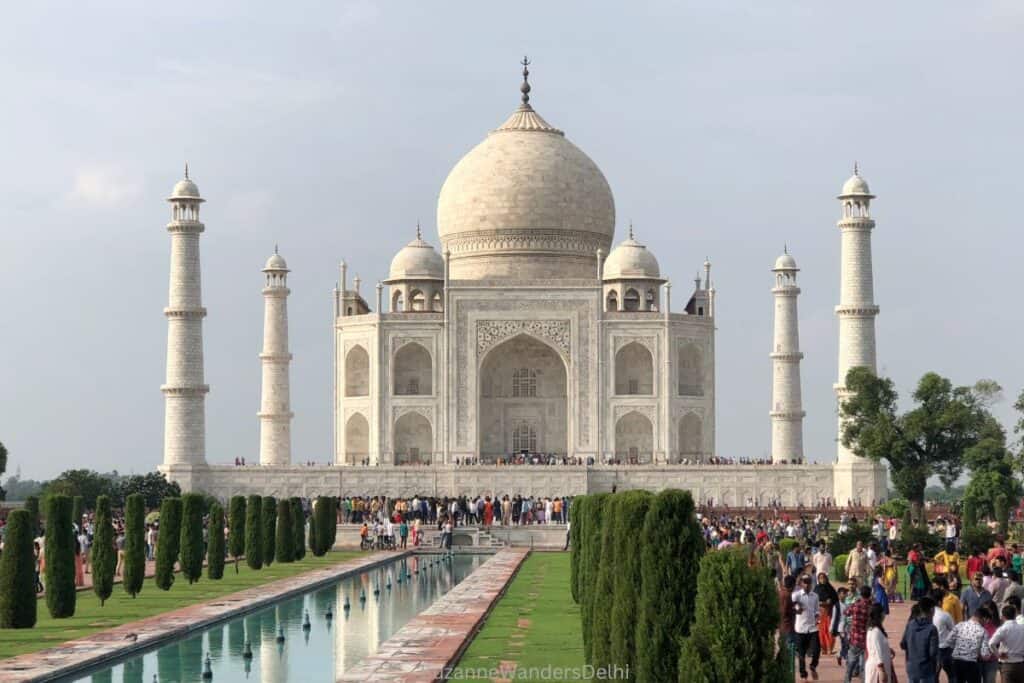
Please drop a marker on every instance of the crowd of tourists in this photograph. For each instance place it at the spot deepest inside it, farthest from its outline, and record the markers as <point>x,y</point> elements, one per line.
<point>461,511</point>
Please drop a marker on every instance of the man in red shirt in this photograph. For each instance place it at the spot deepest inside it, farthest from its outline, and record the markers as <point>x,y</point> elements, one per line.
<point>998,550</point>
<point>975,562</point>
<point>858,615</point>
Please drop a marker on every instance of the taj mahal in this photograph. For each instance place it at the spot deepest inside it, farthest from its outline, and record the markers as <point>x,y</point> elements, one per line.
<point>530,353</point>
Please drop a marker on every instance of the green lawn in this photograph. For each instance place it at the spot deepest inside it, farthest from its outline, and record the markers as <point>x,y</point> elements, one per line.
<point>536,624</point>
<point>121,608</point>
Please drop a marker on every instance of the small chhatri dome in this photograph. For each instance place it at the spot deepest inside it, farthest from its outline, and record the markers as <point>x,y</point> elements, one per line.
<point>275,262</point>
<point>856,185</point>
<point>185,188</point>
<point>785,262</point>
<point>416,261</point>
<point>631,260</point>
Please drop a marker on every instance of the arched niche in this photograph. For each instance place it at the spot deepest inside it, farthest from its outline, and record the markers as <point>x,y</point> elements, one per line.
<point>357,440</point>
<point>357,372</point>
<point>413,371</point>
<point>413,439</point>
<point>634,438</point>
<point>634,371</point>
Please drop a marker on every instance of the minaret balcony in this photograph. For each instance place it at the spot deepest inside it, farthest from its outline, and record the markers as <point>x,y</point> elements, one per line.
<point>787,355</point>
<point>857,310</point>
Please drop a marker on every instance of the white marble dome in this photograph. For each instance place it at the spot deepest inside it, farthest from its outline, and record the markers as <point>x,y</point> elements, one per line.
<point>276,262</point>
<point>525,203</point>
<point>855,185</point>
<point>185,188</point>
<point>630,260</point>
<point>785,262</point>
<point>417,261</point>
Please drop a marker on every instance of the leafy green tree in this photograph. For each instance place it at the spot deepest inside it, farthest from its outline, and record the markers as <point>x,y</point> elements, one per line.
<point>1002,507</point>
<point>86,483</point>
<point>134,570</point>
<point>970,513</point>
<point>671,545</point>
<point>215,552</point>
<point>284,550</point>
<point>299,528</point>
<point>18,573</point>
<point>236,528</point>
<point>153,487</point>
<point>104,556</point>
<point>604,587</point>
<point>168,543</point>
<point>588,576</point>
<point>628,520</point>
<point>733,637</point>
<point>320,536</point>
<point>928,440</point>
<point>580,510</point>
<point>993,468</point>
<point>32,507</point>
<point>77,510</point>
<point>192,536</point>
<point>60,558</point>
<point>269,540</point>
<point>254,532</point>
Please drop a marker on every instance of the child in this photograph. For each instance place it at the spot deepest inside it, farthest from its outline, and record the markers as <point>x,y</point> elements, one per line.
<point>838,625</point>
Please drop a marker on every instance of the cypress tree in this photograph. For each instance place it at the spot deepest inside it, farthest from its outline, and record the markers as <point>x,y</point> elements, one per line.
<point>32,506</point>
<point>332,524</point>
<point>254,532</point>
<point>168,542</point>
<point>18,573</point>
<point>588,572</point>
<point>299,528</point>
<point>77,510</point>
<point>134,543</point>
<point>60,557</point>
<point>737,614</point>
<point>579,505</point>
<point>314,539</point>
<point>671,545</point>
<point>284,550</point>
<point>323,526</point>
<point>104,556</point>
<point>269,540</point>
<point>192,537</point>
<point>215,551</point>
<point>604,586</point>
<point>236,528</point>
<point>628,522</point>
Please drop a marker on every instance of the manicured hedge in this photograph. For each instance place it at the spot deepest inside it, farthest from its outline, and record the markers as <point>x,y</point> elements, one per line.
<point>298,528</point>
<point>60,558</point>
<point>254,532</point>
<point>192,536</point>
<point>325,527</point>
<point>839,568</point>
<point>269,540</point>
<point>134,570</point>
<point>671,545</point>
<point>314,538</point>
<point>236,528</point>
<point>168,542</point>
<point>785,546</point>
<point>104,555</point>
<point>576,531</point>
<point>604,588</point>
<point>629,519</point>
<point>737,614</point>
<point>285,548</point>
<point>215,550</point>
<point>18,572</point>
<point>77,510</point>
<point>591,563</point>
<point>32,507</point>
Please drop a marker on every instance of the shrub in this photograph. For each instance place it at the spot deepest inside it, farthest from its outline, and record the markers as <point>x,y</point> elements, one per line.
<point>930,543</point>
<point>215,550</point>
<point>268,506</point>
<point>60,557</point>
<point>604,586</point>
<point>733,637</point>
<point>785,546</point>
<point>576,531</point>
<point>671,545</point>
<point>894,507</point>
<point>632,510</point>
<point>845,542</point>
<point>32,507</point>
<point>192,536</point>
<point>839,568</point>
<point>588,577</point>
<point>254,532</point>
<point>77,510</point>
<point>236,528</point>
<point>168,542</point>
<point>284,550</point>
<point>298,528</point>
<point>104,555</point>
<point>134,569</point>
<point>18,572</point>
<point>976,538</point>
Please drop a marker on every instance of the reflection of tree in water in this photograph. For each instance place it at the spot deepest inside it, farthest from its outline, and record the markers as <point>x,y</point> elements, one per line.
<point>236,638</point>
<point>133,669</point>
<point>322,599</point>
<point>106,676</point>
<point>167,659</point>
<point>192,655</point>
<point>290,614</point>
<point>216,637</point>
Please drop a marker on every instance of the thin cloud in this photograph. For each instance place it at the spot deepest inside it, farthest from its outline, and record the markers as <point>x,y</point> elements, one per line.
<point>105,187</point>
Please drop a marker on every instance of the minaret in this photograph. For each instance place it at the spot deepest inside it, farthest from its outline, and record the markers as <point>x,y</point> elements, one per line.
<point>856,310</point>
<point>185,389</point>
<point>787,412</point>
<point>275,408</point>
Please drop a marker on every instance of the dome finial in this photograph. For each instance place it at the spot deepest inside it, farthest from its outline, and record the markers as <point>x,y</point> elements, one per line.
<point>525,87</point>
<point>785,248</point>
<point>856,169</point>
<point>275,247</point>
<point>631,228</point>
<point>186,171</point>
<point>419,234</point>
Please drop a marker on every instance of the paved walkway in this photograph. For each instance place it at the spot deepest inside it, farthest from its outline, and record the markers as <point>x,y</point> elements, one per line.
<point>899,614</point>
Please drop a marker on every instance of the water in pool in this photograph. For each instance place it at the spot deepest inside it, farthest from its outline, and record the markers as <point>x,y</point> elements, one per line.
<point>321,652</point>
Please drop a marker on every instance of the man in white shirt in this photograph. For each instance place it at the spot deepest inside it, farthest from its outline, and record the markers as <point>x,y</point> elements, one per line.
<point>805,627</point>
<point>822,561</point>
<point>943,622</point>
<point>1008,641</point>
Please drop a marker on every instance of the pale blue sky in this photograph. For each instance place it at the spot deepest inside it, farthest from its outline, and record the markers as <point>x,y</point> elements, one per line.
<point>724,129</point>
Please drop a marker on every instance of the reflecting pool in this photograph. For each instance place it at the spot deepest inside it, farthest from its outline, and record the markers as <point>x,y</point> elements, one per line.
<point>319,651</point>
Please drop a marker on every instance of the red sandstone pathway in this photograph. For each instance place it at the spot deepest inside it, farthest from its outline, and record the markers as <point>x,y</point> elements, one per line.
<point>899,614</point>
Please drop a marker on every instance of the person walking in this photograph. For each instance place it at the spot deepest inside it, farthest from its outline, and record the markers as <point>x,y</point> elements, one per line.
<point>828,599</point>
<point>975,596</point>
<point>944,624</point>
<point>787,615</point>
<point>796,561</point>
<point>1008,642</point>
<point>807,607</point>
<point>920,642</point>
<point>403,532</point>
<point>858,614</point>
<point>878,665</point>
<point>970,644</point>
<point>857,564</point>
